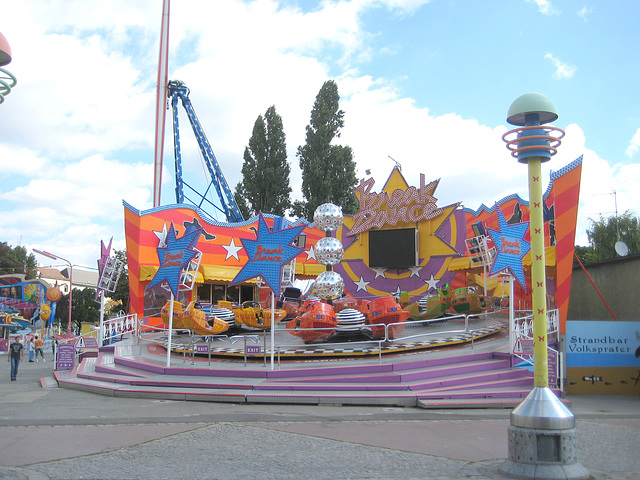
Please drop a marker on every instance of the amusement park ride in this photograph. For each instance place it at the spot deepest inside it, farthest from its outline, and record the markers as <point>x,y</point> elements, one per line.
<point>452,253</point>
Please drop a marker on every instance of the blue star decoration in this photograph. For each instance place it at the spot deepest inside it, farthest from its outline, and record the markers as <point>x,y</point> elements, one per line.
<point>173,258</point>
<point>510,248</point>
<point>268,254</point>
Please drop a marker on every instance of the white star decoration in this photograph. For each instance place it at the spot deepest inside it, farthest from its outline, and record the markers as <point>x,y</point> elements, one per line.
<point>311,253</point>
<point>162,236</point>
<point>432,282</point>
<point>415,271</point>
<point>379,272</point>
<point>232,250</point>
<point>362,285</point>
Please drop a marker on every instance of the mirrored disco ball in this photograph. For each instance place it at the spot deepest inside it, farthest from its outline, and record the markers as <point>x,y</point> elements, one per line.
<point>329,285</point>
<point>328,217</point>
<point>329,251</point>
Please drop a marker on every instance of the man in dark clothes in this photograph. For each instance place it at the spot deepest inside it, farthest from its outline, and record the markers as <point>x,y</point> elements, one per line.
<point>16,353</point>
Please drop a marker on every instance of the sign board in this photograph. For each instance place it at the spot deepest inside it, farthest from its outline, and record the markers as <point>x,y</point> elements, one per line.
<point>603,357</point>
<point>552,362</point>
<point>88,342</point>
<point>253,349</point>
<point>202,348</point>
<point>523,346</point>
<point>65,356</point>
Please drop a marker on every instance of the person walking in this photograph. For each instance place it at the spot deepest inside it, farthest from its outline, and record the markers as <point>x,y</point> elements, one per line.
<point>30,347</point>
<point>39,345</point>
<point>16,353</point>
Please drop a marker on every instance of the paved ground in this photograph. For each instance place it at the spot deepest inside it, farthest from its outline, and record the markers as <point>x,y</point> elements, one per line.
<point>53,433</point>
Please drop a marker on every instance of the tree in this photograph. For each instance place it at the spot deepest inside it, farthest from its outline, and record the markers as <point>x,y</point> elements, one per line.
<point>15,260</point>
<point>84,309</point>
<point>328,171</point>
<point>603,235</point>
<point>265,171</point>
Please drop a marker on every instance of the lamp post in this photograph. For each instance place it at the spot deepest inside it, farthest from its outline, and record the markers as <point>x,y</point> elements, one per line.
<point>57,257</point>
<point>542,434</point>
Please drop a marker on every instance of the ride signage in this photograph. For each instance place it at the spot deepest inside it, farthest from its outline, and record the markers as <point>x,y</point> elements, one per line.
<point>380,209</point>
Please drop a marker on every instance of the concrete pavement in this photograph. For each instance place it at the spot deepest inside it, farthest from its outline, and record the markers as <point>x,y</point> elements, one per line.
<point>53,433</point>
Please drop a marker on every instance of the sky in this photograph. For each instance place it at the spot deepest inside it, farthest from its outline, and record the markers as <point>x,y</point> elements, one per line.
<point>426,84</point>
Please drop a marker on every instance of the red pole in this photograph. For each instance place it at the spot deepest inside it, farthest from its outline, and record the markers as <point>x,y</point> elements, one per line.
<point>594,286</point>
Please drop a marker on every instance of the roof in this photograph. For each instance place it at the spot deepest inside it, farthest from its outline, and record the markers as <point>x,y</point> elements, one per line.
<point>51,273</point>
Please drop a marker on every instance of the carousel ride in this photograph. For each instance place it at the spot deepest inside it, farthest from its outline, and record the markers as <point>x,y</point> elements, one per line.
<point>327,315</point>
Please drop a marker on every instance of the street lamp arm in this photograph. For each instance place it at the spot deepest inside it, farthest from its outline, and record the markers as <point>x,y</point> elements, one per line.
<point>58,257</point>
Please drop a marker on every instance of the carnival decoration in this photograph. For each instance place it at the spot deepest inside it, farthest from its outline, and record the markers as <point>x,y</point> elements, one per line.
<point>109,270</point>
<point>329,285</point>
<point>53,294</point>
<point>268,254</point>
<point>7,79</point>
<point>511,248</point>
<point>174,257</point>
<point>177,255</point>
<point>329,251</point>
<point>45,312</point>
<point>328,217</point>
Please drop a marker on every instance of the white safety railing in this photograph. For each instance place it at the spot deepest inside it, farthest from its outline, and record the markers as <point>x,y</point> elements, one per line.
<point>123,326</point>
<point>522,331</point>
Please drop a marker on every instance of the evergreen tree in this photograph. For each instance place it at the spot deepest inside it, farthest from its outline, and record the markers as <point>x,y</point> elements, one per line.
<point>265,171</point>
<point>328,171</point>
<point>14,260</point>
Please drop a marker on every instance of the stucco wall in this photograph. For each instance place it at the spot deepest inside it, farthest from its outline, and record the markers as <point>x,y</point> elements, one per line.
<point>619,282</point>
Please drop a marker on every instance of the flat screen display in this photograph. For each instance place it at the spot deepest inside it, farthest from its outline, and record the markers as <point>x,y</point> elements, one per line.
<point>393,248</point>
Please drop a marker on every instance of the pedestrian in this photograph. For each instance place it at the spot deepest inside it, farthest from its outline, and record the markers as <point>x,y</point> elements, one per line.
<point>39,344</point>
<point>54,344</point>
<point>31,350</point>
<point>16,353</point>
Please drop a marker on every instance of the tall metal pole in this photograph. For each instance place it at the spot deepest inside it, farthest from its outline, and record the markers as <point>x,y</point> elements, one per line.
<point>161,99</point>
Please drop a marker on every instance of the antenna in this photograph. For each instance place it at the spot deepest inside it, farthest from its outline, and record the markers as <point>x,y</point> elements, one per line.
<point>621,248</point>
<point>396,162</point>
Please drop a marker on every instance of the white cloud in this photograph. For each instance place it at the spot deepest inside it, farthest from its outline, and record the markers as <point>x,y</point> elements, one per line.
<point>634,144</point>
<point>545,7</point>
<point>77,131</point>
<point>584,12</point>
<point>563,70</point>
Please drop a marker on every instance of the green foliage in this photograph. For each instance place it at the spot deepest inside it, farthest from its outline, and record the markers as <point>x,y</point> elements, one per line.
<point>84,309</point>
<point>603,235</point>
<point>328,171</point>
<point>265,171</point>
<point>14,260</point>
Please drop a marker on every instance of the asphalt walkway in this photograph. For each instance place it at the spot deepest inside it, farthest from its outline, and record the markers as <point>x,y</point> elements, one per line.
<point>53,433</point>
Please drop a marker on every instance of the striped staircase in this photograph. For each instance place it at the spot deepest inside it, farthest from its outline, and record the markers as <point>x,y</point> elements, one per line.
<point>480,380</point>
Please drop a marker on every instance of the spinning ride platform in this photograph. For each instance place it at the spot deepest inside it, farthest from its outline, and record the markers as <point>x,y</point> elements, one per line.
<point>417,336</point>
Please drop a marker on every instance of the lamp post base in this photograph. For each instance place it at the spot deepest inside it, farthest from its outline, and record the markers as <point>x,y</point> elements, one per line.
<point>543,440</point>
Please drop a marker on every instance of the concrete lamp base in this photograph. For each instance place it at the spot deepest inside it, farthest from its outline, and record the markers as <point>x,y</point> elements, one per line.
<point>543,440</point>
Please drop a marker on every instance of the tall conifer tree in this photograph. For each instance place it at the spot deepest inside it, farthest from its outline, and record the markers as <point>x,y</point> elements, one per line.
<point>265,170</point>
<point>328,171</point>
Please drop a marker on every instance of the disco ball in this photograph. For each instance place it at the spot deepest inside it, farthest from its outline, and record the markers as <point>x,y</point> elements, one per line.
<point>329,285</point>
<point>328,217</point>
<point>329,251</point>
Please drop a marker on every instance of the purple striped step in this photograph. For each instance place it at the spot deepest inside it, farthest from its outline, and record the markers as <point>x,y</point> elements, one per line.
<point>455,369</point>
<point>465,379</point>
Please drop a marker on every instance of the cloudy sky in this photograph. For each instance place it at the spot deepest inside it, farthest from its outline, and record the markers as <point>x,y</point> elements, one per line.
<point>424,83</point>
